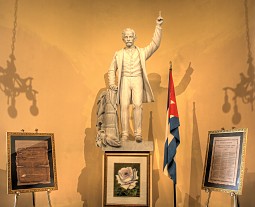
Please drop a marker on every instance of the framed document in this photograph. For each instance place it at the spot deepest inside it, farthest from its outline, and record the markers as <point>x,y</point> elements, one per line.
<point>225,160</point>
<point>31,162</point>
<point>127,179</point>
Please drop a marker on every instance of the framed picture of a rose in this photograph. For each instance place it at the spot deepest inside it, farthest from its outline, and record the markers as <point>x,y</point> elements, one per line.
<point>127,179</point>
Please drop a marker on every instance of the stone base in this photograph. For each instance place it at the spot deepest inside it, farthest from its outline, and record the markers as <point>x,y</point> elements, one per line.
<point>131,146</point>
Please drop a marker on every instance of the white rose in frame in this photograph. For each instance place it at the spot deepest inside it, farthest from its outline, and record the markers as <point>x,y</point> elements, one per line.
<point>127,177</point>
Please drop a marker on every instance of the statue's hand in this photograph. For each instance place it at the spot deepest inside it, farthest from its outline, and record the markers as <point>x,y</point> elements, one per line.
<point>114,87</point>
<point>159,20</point>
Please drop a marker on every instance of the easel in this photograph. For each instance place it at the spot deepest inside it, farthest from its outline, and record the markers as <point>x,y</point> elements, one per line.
<point>237,190</point>
<point>232,194</point>
<point>235,197</point>
<point>17,194</point>
<point>209,196</point>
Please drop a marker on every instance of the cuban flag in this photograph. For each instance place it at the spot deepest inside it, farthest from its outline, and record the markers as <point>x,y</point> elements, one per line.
<point>172,131</point>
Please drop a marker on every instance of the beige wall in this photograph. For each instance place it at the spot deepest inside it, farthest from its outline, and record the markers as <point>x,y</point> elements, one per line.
<point>66,46</point>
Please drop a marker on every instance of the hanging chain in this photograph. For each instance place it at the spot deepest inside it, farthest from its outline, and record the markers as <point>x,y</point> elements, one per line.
<point>251,71</point>
<point>14,27</point>
<point>247,27</point>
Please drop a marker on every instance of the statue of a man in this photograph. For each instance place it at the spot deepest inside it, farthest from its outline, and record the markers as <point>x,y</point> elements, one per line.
<point>133,85</point>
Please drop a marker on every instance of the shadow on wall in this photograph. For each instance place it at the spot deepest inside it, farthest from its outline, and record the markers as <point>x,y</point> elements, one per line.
<point>194,197</point>
<point>245,89</point>
<point>247,199</point>
<point>90,179</point>
<point>155,113</point>
<point>11,84</point>
<point>25,199</point>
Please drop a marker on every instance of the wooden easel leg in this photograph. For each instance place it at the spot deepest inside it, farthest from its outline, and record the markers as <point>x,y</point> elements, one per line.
<point>48,195</point>
<point>17,194</point>
<point>209,196</point>
<point>235,199</point>
<point>33,198</point>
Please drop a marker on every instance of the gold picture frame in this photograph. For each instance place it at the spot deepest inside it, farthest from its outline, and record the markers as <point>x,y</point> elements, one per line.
<point>127,179</point>
<point>225,161</point>
<point>31,162</point>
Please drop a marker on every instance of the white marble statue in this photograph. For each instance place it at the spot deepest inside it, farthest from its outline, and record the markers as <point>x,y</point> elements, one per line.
<point>132,84</point>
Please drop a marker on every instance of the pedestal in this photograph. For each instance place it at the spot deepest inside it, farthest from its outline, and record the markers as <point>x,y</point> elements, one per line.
<point>127,174</point>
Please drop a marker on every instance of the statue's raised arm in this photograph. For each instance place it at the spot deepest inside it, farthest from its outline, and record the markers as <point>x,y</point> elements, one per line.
<point>160,19</point>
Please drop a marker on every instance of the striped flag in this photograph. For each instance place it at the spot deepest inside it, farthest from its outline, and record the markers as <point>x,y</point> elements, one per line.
<point>172,131</point>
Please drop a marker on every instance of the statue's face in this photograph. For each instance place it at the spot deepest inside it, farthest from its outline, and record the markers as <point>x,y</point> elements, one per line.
<point>129,38</point>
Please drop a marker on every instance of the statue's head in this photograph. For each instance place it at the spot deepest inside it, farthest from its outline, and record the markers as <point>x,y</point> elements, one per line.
<point>128,37</point>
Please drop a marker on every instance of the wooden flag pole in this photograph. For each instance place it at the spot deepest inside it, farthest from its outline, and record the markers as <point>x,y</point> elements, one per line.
<point>170,63</point>
<point>174,195</point>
